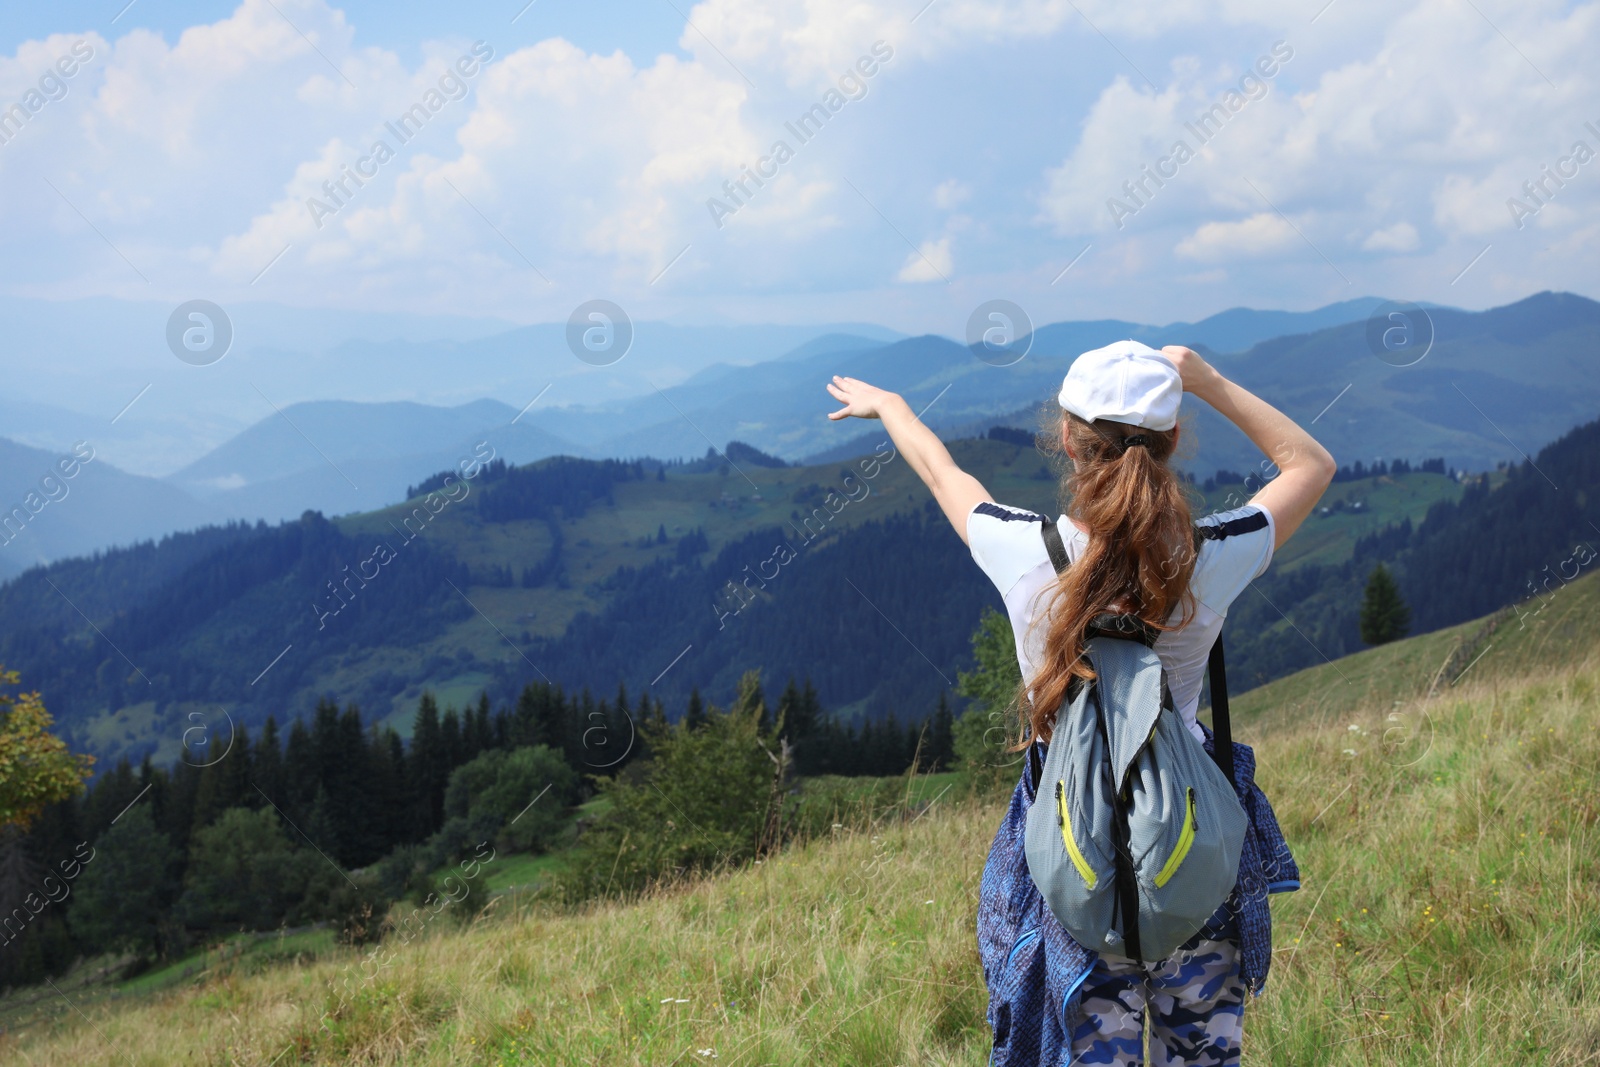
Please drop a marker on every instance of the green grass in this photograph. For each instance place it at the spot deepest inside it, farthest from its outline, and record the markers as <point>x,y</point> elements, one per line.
<point>1441,794</point>
<point>96,983</point>
<point>1449,916</point>
<point>522,872</point>
<point>1536,636</point>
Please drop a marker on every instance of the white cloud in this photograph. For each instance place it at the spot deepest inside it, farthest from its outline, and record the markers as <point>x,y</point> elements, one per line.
<point>196,156</point>
<point>1260,234</point>
<point>931,262</point>
<point>1439,122</point>
<point>949,193</point>
<point>1401,237</point>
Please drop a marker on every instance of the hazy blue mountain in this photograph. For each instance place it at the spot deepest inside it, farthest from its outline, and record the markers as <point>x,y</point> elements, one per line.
<point>45,516</point>
<point>91,357</point>
<point>780,406</point>
<point>308,435</point>
<point>337,457</point>
<point>1237,329</point>
<point>1233,330</point>
<point>1531,367</point>
<point>1496,384</point>
<point>1527,366</point>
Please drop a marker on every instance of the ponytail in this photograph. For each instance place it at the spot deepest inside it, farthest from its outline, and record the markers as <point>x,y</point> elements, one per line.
<point>1140,552</point>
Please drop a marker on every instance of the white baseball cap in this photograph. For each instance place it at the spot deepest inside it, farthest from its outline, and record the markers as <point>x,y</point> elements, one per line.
<point>1124,382</point>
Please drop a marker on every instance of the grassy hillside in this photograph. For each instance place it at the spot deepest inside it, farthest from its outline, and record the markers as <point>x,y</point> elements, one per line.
<point>1529,639</point>
<point>1449,914</point>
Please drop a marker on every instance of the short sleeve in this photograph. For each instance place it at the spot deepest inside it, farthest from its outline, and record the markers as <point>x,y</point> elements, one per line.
<point>1006,542</point>
<point>1236,549</point>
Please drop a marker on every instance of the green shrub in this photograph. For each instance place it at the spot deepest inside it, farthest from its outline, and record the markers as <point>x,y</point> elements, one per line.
<point>705,799</point>
<point>518,798</point>
<point>991,720</point>
<point>245,872</point>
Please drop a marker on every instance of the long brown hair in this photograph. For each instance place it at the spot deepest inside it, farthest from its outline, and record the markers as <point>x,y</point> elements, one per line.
<point>1140,551</point>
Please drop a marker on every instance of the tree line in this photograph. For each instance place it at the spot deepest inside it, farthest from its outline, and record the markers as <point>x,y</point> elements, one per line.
<point>335,817</point>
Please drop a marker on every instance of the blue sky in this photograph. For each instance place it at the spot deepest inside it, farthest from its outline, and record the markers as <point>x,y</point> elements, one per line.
<point>997,149</point>
<point>637,27</point>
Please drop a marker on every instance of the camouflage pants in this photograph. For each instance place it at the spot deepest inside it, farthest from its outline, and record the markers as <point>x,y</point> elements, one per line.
<point>1194,998</point>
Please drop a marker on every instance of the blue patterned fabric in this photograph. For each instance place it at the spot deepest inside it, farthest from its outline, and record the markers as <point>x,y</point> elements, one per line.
<point>1034,969</point>
<point>1031,965</point>
<point>1193,998</point>
<point>1266,866</point>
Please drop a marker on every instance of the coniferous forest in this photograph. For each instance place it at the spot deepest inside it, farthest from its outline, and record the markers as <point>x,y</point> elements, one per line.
<point>330,818</point>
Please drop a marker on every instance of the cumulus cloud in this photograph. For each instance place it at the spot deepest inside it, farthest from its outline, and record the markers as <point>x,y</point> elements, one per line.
<point>931,262</point>
<point>1437,124</point>
<point>1401,237</point>
<point>1259,235</point>
<point>565,171</point>
<point>949,193</point>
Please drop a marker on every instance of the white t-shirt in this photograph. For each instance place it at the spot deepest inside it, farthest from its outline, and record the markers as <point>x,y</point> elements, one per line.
<point>1008,544</point>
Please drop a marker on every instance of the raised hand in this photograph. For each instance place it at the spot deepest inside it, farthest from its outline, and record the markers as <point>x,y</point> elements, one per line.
<point>1195,372</point>
<point>859,399</point>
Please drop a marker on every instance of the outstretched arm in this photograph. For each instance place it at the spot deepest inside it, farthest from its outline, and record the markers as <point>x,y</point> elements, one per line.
<point>1304,467</point>
<point>956,491</point>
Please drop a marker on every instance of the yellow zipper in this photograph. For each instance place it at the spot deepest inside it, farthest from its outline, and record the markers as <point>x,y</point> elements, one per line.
<point>1089,877</point>
<point>1185,839</point>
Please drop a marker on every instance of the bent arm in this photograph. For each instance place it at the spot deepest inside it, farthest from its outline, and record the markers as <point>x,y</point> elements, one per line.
<point>1304,467</point>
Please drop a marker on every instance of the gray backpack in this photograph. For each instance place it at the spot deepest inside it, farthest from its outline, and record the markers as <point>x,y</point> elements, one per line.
<point>1135,836</point>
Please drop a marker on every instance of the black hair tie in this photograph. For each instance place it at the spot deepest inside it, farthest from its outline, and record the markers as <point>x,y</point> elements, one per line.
<point>1134,439</point>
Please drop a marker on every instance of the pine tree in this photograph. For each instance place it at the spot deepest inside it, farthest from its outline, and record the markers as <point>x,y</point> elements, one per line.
<point>695,717</point>
<point>427,769</point>
<point>351,788</point>
<point>322,825</point>
<point>160,786</point>
<point>450,741</point>
<point>810,710</point>
<point>789,708</point>
<point>576,719</point>
<point>941,740</point>
<point>389,761</point>
<point>482,723</point>
<point>892,757</point>
<point>180,806</point>
<point>299,771</point>
<point>268,767</point>
<point>526,718</point>
<point>1384,614</point>
<point>235,770</point>
<point>206,800</point>
<point>553,718</point>
<point>111,794</point>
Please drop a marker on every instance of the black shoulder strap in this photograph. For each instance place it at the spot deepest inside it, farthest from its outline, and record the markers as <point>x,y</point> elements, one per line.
<point>1221,728</point>
<point>1054,546</point>
<point>1217,672</point>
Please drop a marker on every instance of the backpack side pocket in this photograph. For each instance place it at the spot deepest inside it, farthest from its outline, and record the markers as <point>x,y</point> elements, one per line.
<point>1074,853</point>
